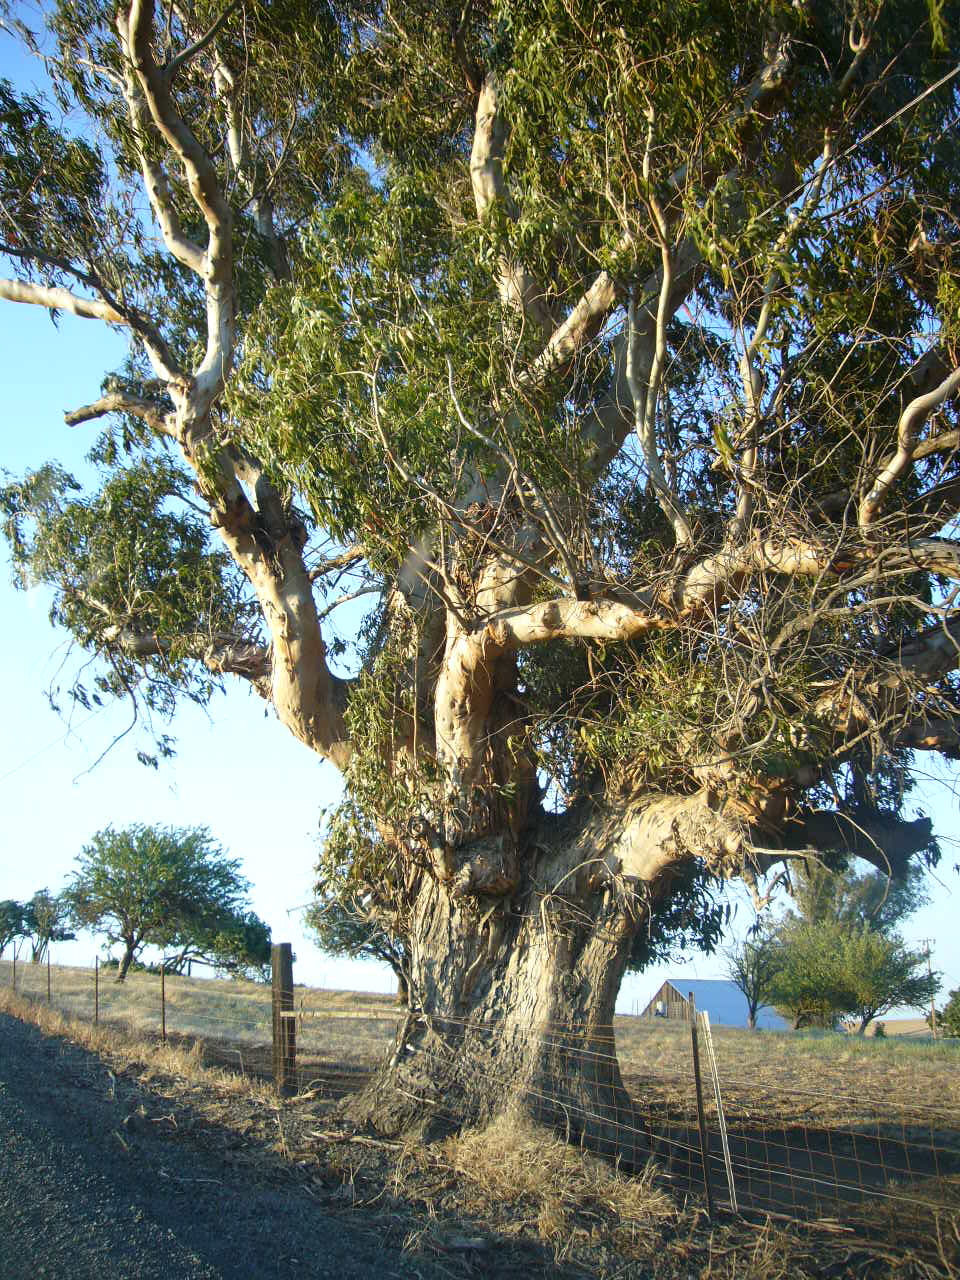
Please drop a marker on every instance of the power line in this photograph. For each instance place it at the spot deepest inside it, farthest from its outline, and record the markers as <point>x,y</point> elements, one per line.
<point>50,745</point>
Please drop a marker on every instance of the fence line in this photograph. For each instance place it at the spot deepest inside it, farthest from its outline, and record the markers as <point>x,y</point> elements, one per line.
<point>801,1160</point>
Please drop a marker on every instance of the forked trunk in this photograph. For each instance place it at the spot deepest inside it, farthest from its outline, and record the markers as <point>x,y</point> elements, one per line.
<point>511,1003</point>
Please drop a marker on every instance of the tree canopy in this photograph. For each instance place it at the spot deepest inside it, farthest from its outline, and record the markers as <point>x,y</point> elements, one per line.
<point>607,353</point>
<point>167,887</point>
<point>11,922</point>
<point>752,964</point>
<point>45,918</point>
<point>346,927</point>
<point>827,970</point>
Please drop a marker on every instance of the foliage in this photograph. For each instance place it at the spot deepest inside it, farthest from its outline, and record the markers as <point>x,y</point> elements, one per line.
<point>810,986</point>
<point>868,900</point>
<point>753,965</point>
<point>12,924</point>
<point>166,887</point>
<point>948,1018</point>
<point>828,969</point>
<point>46,919</point>
<point>233,942</point>
<point>882,973</point>
<point>343,928</point>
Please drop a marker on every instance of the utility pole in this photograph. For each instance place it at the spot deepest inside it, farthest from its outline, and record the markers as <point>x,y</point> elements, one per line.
<point>933,1008</point>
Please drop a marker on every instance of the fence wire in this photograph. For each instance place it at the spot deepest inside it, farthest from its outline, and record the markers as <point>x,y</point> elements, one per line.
<point>801,1149</point>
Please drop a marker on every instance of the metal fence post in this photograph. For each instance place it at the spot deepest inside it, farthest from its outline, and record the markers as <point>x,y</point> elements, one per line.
<point>701,1115</point>
<point>284,1027</point>
<point>15,949</point>
<point>48,975</point>
<point>163,1000</point>
<point>96,989</point>
<point>721,1118</point>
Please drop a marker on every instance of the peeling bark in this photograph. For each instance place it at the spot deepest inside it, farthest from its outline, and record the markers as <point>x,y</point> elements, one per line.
<point>511,1002</point>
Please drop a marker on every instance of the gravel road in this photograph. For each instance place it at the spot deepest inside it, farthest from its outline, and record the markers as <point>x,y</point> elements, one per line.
<point>87,1194</point>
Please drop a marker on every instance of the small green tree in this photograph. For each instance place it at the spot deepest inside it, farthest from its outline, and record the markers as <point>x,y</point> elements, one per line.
<point>753,964</point>
<point>236,943</point>
<point>948,1018</point>
<point>11,922</point>
<point>809,985</point>
<point>882,973</point>
<point>46,919</point>
<point>343,926</point>
<point>165,886</point>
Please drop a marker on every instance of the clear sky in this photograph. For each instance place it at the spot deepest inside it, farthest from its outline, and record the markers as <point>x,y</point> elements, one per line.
<point>237,770</point>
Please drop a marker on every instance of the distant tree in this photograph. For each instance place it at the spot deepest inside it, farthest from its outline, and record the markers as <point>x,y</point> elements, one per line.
<point>881,973</point>
<point>165,886</point>
<point>234,942</point>
<point>46,919</point>
<point>870,899</point>
<point>838,952</point>
<point>829,969</point>
<point>948,1018</point>
<point>346,926</point>
<point>11,922</point>
<point>752,965</point>
<point>808,987</point>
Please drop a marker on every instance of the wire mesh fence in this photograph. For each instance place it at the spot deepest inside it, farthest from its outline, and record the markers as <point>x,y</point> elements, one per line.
<point>853,1134</point>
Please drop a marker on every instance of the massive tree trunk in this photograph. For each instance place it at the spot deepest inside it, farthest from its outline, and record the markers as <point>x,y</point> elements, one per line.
<point>512,1001</point>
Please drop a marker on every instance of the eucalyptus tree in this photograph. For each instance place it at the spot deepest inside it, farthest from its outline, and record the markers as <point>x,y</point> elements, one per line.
<point>608,353</point>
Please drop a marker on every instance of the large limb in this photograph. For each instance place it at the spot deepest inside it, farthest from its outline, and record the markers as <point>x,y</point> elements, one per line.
<point>467,681</point>
<point>517,287</point>
<point>59,299</point>
<point>886,842</point>
<point>199,172</point>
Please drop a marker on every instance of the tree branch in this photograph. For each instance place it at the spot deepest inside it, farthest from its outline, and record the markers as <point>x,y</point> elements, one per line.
<point>198,46</point>
<point>516,285</point>
<point>216,268</point>
<point>911,420</point>
<point>150,411</point>
<point>58,299</point>
<point>887,843</point>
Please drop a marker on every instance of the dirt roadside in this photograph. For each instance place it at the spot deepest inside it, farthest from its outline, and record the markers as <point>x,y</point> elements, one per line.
<point>102,1178</point>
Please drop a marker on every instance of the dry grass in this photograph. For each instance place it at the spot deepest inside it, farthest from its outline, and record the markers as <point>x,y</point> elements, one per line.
<point>819,1078</point>
<point>508,1201</point>
<point>124,1049</point>
<point>529,1173</point>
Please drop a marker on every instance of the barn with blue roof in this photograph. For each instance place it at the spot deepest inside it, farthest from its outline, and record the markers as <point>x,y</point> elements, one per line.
<point>719,997</point>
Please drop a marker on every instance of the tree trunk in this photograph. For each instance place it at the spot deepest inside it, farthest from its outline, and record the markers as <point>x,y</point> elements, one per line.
<point>403,989</point>
<point>125,961</point>
<point>512,1002</point>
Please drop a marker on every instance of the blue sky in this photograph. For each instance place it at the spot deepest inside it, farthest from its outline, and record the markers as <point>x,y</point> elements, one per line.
<point>237,770</point>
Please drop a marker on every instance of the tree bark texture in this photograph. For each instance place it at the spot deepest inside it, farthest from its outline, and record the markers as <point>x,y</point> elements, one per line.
<point>511,1002</point>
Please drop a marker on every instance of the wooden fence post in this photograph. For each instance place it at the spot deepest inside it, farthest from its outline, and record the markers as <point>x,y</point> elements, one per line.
<point>15,949</point>
<point>96,990</point>
<point>284,1028</point>
<point>48,975</point>
<point>701,1115</point>
<point>163,1000</point>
